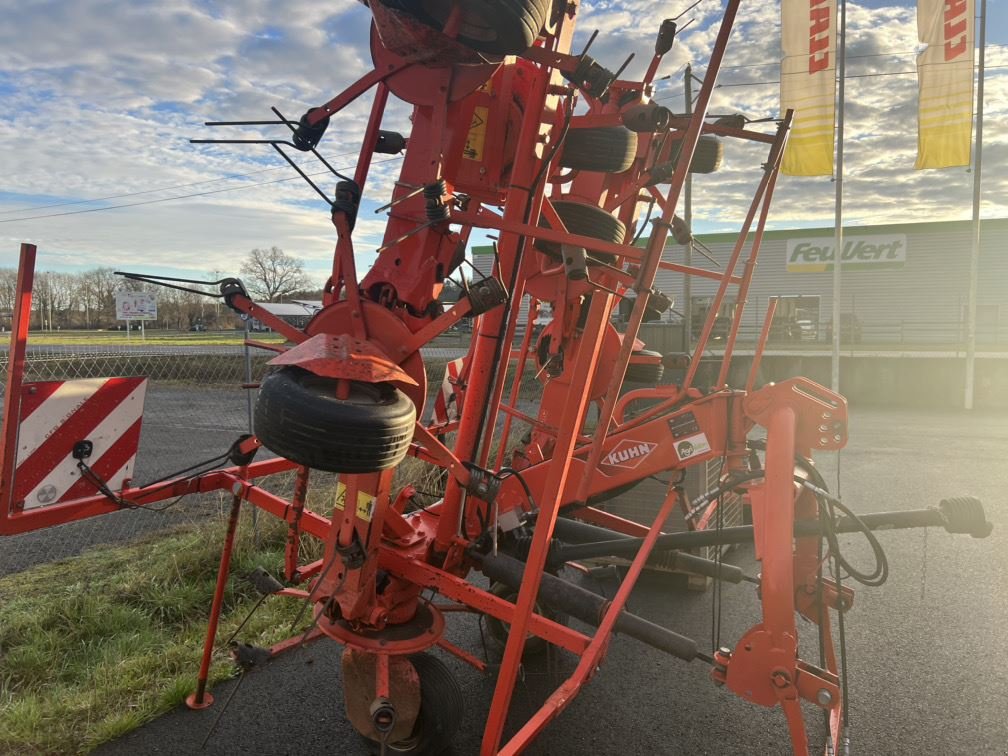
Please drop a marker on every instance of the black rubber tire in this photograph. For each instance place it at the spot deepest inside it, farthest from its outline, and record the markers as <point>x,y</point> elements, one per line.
<point>441,708</point>
<point>645,372</point>
<point>607,149</point>
<point>298,416</point>
<point>585,220</point>
<point>496,27</point>
<point>707,156</point>
<point>498,630</point>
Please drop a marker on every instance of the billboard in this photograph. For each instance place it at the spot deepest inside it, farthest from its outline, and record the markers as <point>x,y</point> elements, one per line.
<point>135,305</point>
<point>876,252</point>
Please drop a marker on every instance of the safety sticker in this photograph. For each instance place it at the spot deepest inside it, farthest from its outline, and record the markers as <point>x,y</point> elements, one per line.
<point>476,138</point>
<point>365,502</point>
<point>692,446</point>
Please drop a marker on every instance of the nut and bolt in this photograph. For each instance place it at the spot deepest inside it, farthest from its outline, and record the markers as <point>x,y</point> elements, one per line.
<point>824,698</point>
<point>781,679</point>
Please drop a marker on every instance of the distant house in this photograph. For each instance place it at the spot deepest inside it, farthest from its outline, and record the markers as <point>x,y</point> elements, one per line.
<point>297,312</point>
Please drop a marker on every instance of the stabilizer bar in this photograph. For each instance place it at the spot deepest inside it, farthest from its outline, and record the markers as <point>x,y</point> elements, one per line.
<point>962,514</point>
<point>587,606</point>
<point>574,531</point>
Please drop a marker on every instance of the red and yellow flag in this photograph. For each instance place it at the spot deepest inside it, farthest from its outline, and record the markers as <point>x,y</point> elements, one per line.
<point>945,81</point>
<point>808,84</point>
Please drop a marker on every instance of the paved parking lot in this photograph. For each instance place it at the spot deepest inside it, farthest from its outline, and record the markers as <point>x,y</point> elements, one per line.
<point>927,654</point>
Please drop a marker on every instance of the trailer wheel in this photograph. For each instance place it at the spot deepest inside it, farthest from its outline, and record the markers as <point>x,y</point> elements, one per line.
<point>440,710</point>
<point>497,27</point>
<point>298,416</point>
<point>498,630</point>
<point>585,220</point>
<point>608,149</point>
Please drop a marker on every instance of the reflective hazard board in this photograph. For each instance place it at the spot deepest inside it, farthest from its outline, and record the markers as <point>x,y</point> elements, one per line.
<point>55,416</point>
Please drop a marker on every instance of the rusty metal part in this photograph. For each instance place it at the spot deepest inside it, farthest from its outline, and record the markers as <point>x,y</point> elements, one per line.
<point>360,693</point>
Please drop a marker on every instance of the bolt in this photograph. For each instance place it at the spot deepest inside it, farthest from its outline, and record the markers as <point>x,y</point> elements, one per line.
<point>824,698</point>
<point>780,679</point>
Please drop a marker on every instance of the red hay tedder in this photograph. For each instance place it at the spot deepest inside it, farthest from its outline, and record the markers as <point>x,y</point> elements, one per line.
<point>514,135</point>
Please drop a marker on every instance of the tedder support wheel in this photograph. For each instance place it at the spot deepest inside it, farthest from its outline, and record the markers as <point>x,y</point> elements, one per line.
<point>585,220</point>
<point>498,27</point>
<point>707,155</point>
<point>498,630</point>
<point>298,416</point>
<point>440,710</point>
<point>608,149</point>
<point>645,372</point>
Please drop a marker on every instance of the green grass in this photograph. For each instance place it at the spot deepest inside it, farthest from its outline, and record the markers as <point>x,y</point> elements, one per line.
<point>152,338</point>
<point>93,647</point>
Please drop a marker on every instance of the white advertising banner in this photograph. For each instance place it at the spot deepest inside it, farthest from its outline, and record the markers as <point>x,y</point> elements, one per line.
<point>817,254</point>
<point>808,84</point>
<point>135,305</point>
<point>945,83</point>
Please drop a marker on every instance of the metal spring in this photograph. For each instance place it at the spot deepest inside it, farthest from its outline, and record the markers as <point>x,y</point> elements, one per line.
<point>436,209</point>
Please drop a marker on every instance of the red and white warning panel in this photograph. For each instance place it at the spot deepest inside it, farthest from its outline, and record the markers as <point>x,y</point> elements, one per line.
<point>98,417</point>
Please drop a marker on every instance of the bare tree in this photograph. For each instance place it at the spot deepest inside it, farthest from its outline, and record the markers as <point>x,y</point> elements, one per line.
<point>272,274</point>
<point>8,295</point>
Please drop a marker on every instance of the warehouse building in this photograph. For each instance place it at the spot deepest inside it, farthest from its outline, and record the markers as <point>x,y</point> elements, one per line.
<point>905,284</point>
<point>903,304</point>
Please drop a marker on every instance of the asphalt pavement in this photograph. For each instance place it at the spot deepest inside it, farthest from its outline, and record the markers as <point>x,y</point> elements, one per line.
<point>927,651</point>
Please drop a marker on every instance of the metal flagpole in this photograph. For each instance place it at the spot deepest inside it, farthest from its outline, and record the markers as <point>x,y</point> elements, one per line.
<point>838,213</point>
<point>971,303</point>
<point>688,217</point>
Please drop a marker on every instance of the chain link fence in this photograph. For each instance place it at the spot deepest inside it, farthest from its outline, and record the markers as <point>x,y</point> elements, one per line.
<point>199,400</point>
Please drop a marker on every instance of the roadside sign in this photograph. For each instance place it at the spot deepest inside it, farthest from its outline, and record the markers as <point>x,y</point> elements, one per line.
<point>135,305</point>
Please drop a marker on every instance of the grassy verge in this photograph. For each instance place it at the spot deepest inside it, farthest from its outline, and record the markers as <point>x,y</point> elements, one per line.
<point>151,338</point>
<point>95,646</point>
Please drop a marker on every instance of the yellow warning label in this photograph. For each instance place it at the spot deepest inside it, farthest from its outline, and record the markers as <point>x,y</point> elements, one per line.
<point>476,138</point>
<point>365,502</point>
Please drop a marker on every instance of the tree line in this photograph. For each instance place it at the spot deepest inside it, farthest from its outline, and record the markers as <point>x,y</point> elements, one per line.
<point>86,300</point>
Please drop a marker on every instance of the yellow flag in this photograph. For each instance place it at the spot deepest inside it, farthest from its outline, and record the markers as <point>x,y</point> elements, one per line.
<point>808,84</point>
<point>945,83</point>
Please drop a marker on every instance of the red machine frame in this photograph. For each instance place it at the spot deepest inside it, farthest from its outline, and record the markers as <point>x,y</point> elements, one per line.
<point>372,329</point>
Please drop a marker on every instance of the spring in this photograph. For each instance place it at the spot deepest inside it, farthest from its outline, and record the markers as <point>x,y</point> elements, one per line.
<point>436,208</point>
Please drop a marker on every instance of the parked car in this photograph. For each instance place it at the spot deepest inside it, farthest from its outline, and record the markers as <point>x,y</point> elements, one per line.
<point>807,330</point>
<point>198,327</point>
<point>850,328</point>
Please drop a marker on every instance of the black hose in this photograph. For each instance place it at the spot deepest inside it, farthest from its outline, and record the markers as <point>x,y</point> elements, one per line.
<point>826,503</point>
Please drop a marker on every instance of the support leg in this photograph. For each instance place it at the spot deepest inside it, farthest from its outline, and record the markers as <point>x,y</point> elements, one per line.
<point>201,699</point>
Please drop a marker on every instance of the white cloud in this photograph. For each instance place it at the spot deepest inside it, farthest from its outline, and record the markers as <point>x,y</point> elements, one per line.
<point>99,98</point>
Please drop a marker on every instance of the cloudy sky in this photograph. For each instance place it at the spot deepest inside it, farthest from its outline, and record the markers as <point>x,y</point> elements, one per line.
<point>98,100</point>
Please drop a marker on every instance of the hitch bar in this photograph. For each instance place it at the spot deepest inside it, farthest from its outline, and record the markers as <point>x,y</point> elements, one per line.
<point>962,514</point>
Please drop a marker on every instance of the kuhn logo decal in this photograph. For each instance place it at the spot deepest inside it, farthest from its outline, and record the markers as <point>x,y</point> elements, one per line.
<point>628,454</point>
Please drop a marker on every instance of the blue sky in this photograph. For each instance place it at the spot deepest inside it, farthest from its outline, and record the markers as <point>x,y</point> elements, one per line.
<point>99,98</point>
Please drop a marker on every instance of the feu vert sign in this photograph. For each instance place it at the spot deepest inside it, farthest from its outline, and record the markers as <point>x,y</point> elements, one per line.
<point>860,253</point>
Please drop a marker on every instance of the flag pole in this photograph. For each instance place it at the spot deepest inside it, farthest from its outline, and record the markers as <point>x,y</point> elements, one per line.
<point>838,212</point>
<point>971,303</point>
